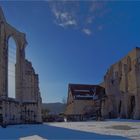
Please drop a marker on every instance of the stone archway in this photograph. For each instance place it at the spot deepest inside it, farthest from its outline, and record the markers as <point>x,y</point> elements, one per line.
<point>26,80</point>
<point>7,31</point>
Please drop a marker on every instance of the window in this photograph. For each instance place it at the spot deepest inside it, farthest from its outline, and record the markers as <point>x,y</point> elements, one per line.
<point>11,67</point>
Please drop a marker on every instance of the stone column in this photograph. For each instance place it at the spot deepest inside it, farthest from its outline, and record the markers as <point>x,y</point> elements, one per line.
<point>20,70</point>
<point>3,61</point>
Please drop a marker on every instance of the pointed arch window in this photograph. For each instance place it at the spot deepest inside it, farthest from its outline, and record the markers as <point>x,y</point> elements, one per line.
<point>11,67</point>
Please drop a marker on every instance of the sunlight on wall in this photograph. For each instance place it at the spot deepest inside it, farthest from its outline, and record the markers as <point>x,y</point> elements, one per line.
<point>11,67</point>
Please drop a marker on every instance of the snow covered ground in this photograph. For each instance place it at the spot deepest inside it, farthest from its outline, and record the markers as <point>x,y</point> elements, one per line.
<point>110,129</point>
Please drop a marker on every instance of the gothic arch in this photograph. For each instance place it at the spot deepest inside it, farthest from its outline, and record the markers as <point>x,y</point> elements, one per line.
<point>25,78</point>
<point>7,31</point>
<point>17,36</point>
<point>12,59</point>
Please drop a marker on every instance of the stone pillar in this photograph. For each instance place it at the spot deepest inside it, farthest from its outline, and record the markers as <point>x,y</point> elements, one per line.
<point>39,115</point>
<point>20,70</point>
<point>3,62</point>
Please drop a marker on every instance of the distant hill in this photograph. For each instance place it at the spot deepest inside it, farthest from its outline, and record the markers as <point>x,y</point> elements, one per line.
<point>54,108</point>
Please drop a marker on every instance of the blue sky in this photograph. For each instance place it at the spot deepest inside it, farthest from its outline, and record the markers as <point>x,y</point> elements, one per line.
<point>74,42</point>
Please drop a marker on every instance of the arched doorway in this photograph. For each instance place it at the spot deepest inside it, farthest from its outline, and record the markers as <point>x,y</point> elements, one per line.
<point>11,67</point>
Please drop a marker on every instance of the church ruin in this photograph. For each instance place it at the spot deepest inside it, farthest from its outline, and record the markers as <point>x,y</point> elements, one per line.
<point>122,85</point>
<point>122,90</point>
<point>26,106</point>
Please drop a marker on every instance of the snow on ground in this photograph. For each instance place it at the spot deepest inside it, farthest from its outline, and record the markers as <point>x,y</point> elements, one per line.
<point>109,130</point>
<point>120,127</point>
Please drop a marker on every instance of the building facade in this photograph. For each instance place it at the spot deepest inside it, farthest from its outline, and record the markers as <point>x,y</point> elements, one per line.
<point>122,85</point>
<point>26,106</point>
<point>84,101</point>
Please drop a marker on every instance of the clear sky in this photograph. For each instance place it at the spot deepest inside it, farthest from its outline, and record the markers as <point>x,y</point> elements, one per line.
<point>74,42</point>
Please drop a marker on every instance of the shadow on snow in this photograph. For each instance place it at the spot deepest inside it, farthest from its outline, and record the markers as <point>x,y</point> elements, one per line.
<point>51,133</point>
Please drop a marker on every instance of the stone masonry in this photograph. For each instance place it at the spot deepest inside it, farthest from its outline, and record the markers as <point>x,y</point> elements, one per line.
<point>122,85</point>
<point>26,107</point>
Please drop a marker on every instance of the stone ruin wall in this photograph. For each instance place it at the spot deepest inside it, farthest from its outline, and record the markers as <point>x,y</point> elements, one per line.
<point>122,85</point>
<point>27,82</point>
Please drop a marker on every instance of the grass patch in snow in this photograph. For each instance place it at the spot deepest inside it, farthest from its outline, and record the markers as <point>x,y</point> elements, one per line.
<point>120,127</point>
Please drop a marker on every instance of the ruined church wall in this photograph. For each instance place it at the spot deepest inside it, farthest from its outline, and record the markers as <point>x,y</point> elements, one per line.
<point>27,88</point>
<point>122,84</point>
